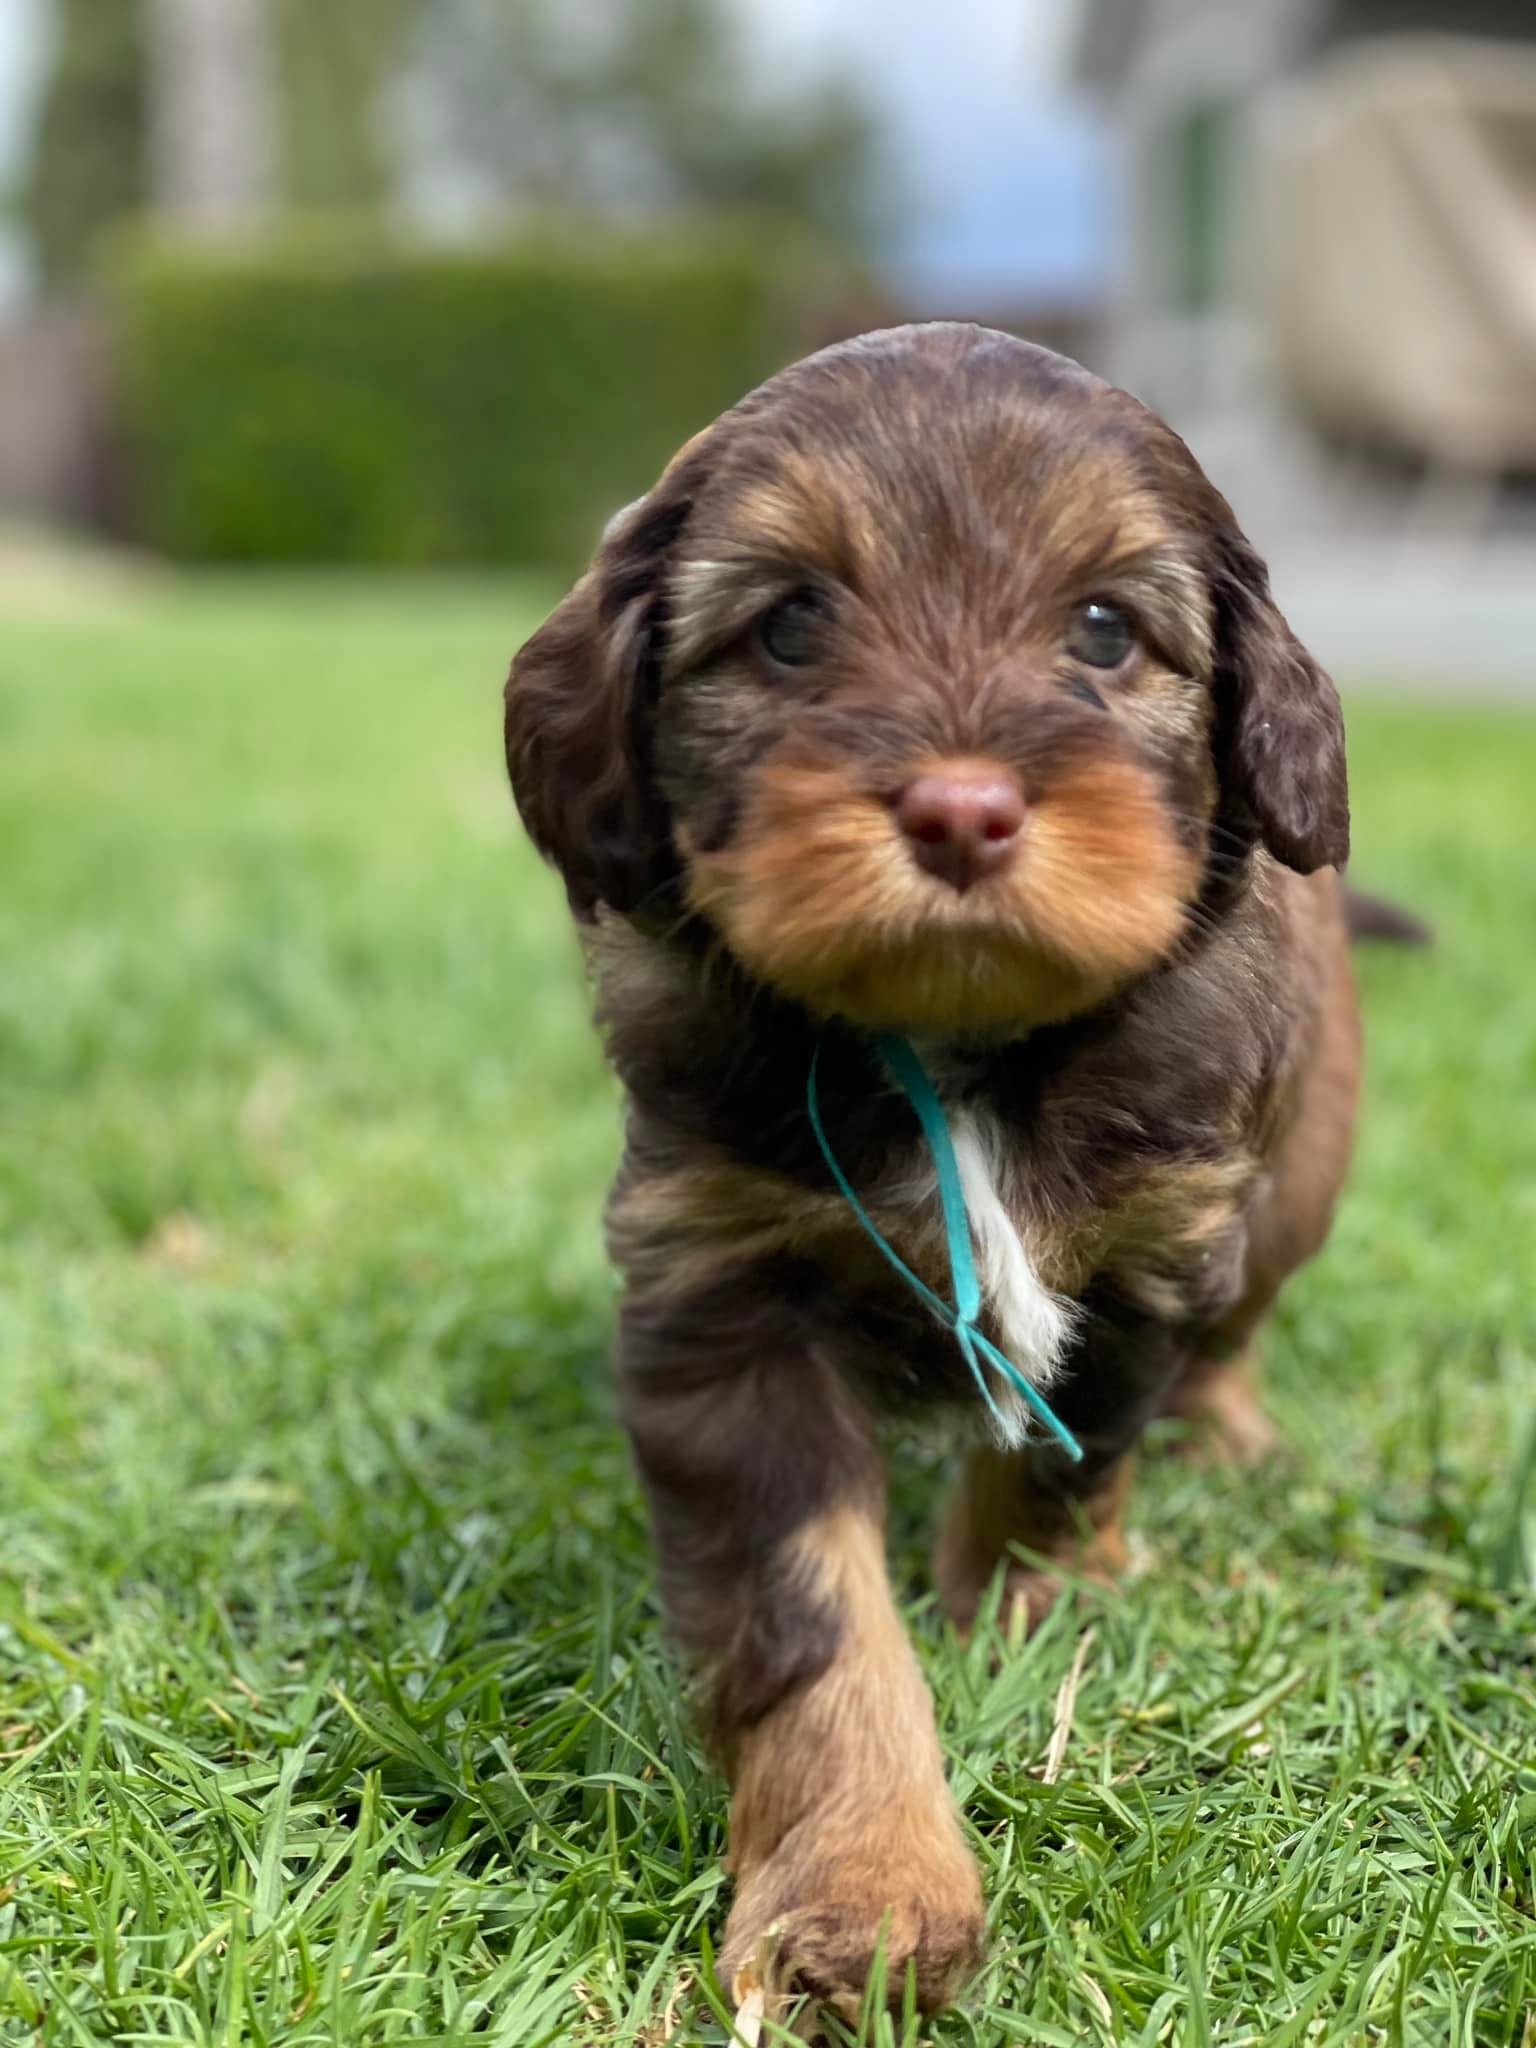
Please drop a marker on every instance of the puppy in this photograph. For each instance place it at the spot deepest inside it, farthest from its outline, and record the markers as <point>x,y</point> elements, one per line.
<point>933,690</point>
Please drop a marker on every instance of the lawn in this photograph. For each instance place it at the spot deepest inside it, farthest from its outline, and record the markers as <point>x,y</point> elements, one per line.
<point>333,1706</point>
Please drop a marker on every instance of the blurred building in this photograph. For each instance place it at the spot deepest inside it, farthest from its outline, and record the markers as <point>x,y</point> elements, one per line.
<point>1328,283</point>
<point>1226,113</point>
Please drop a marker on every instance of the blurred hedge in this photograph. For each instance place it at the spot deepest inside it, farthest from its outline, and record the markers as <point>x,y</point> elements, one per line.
<point>322,399</point>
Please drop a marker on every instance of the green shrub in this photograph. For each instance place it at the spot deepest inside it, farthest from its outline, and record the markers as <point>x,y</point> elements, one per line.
<point>320,399</point>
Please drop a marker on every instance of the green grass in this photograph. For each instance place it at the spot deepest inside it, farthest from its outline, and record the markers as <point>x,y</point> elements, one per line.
<point>332,1700</point>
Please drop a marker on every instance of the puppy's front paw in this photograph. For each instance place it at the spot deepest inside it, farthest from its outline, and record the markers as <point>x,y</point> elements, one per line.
<point>813,1915</point>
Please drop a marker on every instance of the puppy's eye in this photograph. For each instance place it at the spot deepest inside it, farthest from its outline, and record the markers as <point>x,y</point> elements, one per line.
<point>792,631</point>
<point>1102,635</point>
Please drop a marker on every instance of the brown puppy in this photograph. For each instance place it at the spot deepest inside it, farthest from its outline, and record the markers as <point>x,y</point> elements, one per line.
<point>933,689</point>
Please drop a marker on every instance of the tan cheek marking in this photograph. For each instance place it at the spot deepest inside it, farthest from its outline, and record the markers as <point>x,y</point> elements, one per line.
<point>812,884</point>
<point>817,896</point>
<point>1105,879</point>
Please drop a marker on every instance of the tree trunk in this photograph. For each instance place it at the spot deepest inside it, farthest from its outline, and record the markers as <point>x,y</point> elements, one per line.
<point>213,101</point>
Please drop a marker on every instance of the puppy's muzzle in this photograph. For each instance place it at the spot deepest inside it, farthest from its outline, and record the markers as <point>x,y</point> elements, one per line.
<point>962,824</point>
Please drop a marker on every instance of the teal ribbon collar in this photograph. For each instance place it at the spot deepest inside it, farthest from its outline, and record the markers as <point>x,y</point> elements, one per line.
<point>912,1078</point>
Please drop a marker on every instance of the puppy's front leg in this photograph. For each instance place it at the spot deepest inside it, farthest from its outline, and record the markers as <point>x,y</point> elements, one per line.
<point>768,1502</point>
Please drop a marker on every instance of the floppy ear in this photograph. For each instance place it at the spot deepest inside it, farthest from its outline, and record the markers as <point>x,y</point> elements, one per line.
<point>1281,729</point>
<point>579,703</point>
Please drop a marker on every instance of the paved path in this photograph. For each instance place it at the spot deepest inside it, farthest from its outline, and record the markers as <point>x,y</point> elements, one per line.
<point>1426,617</point>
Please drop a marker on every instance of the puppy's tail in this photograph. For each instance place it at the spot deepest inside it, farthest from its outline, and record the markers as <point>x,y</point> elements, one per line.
<point>1373,917</point>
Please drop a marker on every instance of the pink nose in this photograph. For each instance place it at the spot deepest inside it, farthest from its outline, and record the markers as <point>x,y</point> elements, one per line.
<point>962,823</point>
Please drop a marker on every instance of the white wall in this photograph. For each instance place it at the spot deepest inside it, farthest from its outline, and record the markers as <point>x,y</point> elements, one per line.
<point>23,41</point>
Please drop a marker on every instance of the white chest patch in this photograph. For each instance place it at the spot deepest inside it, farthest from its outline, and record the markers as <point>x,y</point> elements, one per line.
<point>1036,1325</point>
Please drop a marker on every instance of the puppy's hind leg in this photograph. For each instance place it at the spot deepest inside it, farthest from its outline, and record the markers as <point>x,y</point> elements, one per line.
<point>768,1502</point>
<point>1218,1397</point>
<point>1216,1388</point>
<point>1034,1500</point>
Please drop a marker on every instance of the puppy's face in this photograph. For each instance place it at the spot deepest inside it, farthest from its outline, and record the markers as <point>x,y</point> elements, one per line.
<point>933,726</point>
<point>926,678</point>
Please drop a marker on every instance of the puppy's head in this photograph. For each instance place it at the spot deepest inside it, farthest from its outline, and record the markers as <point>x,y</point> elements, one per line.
<point>933,677</point>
